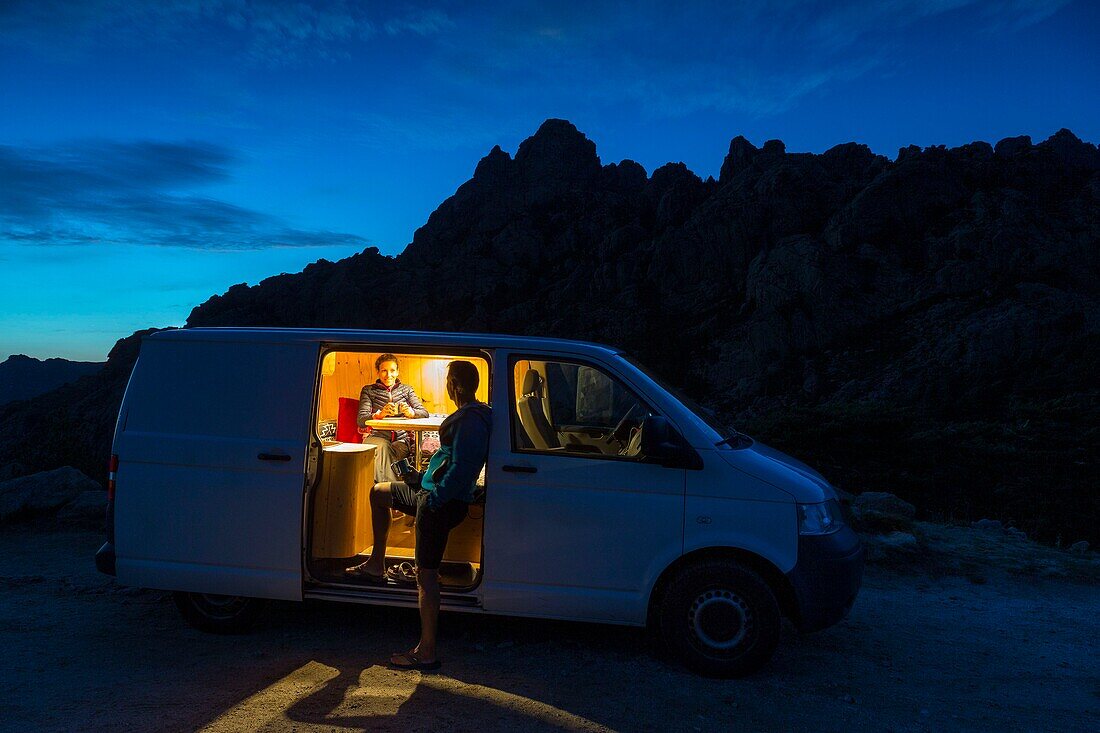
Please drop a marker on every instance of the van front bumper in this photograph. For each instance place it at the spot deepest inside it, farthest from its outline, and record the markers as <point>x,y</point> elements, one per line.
<point>826,578</point>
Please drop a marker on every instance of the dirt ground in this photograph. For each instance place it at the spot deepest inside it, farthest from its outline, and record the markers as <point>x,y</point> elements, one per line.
<point>917,654</point>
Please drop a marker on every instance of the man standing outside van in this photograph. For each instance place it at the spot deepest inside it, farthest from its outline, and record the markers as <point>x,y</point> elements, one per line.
<point>388,397</point>
<point>447,490</point>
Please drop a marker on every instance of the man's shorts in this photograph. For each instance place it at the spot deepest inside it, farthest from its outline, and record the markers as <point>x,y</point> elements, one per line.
<point>433,526</point>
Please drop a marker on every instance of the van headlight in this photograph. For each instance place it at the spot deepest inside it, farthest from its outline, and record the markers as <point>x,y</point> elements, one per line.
<point>823,518</point>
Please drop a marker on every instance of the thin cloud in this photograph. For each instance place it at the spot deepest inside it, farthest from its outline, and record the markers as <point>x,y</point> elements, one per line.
<point>35,180</point>
<point>135,193</point>
<point>260,32</point>
<point>420,22</point>
<point>421,129</point>
<point>1020,14</point>
<point>757,57</point>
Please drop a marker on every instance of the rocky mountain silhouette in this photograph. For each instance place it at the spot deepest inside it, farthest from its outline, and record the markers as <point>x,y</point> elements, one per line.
<point>23,377</point>
<point>71,425</point>
<point>927,325</point>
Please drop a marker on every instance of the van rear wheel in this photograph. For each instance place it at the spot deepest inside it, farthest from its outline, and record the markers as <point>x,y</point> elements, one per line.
<point>719,619</point>
<point>219,614</point>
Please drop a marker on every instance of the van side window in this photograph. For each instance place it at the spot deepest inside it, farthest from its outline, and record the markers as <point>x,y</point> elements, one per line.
<point>568,408</point>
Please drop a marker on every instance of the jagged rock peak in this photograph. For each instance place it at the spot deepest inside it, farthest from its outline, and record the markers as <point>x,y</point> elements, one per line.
<point>741,154</point>
<point>558,150</point>
<point>671,174</point>
<point>497,162</point>
<point>1012,145</point>
<point>627,175</point>
<point>774,147</point>
<point>554,127</point>
<point>124,353</point>
<point>1062,136</point>
<point>634,167</point>
<point>909,151</point>
<point>850,150</point>
<point>1071,150</point>
<point>978,150</point>
<point>496,154</point>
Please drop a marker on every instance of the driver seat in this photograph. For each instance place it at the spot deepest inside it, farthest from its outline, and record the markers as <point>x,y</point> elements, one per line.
<point>532,414</point>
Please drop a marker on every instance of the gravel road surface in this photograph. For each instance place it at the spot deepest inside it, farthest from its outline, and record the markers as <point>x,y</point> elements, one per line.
<point>917,654</point>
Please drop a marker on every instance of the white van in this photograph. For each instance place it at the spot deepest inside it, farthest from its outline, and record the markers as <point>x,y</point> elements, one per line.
<point>235,477</point>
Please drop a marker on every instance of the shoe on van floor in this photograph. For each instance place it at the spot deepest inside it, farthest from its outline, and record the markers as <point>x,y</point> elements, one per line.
<point>360,572</point>
<point>403,573</point>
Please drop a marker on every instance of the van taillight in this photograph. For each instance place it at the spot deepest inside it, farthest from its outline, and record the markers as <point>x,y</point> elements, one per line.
<point>112,472</point>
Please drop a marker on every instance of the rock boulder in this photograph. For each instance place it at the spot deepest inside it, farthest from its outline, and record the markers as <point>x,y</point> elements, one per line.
<point>12,470</point>
<point>881,512</point>
<point>42,493</point>
<point>892,547</point>
<point>89,507</point>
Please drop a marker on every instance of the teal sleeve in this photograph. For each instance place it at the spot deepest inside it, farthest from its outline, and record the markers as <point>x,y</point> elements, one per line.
<point>469,449</point>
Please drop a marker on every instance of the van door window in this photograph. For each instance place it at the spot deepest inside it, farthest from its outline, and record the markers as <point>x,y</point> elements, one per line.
<point>572,408</point>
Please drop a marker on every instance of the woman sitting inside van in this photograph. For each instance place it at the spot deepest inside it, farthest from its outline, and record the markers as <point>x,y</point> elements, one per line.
<point>388,397</point>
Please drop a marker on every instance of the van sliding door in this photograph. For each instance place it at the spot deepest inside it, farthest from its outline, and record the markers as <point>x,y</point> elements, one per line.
<point>213,450</point>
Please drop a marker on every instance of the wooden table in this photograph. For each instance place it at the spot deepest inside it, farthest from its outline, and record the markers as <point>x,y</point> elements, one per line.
<point>415,425</point>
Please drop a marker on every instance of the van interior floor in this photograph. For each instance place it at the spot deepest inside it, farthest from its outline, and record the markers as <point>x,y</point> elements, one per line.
<point>453,576</point>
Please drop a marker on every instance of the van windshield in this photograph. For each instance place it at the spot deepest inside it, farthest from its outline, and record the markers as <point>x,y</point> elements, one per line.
<point>726,436</point>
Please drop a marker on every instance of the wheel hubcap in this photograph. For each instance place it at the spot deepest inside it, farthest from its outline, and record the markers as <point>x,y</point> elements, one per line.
<point>719,619</point>
<point>220,606</point>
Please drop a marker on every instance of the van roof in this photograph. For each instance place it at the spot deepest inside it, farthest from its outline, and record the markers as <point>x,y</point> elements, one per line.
<point>397,338</point>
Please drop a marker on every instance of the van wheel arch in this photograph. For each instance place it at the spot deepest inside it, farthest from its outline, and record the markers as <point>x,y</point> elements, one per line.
<point>778,582</point>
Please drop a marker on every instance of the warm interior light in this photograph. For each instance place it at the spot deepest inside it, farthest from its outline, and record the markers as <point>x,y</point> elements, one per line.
<point>345,373</point>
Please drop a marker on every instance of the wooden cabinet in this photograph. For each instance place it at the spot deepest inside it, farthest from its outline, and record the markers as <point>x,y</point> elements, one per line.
<point>341,508</point>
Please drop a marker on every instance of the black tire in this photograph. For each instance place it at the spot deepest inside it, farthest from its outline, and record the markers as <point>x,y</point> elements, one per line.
<point>219,614</point>
<point>718,619</point>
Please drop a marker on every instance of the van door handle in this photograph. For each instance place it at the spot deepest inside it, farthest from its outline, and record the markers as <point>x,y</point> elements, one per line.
<point>519,469</point>
<point>273,457</point>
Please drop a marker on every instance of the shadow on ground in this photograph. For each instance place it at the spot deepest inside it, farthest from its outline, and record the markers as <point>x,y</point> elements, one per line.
<point>917,654</point>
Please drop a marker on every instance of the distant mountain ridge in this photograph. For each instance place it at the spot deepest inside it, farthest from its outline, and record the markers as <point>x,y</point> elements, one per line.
<point>23,377</point>
<point>926,326</point>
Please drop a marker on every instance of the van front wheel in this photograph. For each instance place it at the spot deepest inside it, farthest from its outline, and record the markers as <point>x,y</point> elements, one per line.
<point>719,619</point>
<point>219,614</point>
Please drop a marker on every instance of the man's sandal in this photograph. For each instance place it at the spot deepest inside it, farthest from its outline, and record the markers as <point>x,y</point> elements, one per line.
<point>409,661</point>
<point>360,572</point>
<point>402,573</point>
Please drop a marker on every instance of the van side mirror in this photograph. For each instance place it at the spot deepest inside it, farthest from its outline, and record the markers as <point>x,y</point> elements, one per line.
<point>661,443</point>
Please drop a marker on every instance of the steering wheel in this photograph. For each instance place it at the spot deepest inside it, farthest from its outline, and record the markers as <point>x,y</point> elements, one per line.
<point>621,424</point>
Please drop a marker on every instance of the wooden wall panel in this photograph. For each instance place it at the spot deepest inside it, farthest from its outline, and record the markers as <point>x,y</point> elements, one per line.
<point>426,374</point>
<point>463,544</point>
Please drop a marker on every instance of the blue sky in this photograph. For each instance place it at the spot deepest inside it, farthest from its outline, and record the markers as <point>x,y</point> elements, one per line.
<point>153,154</point>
